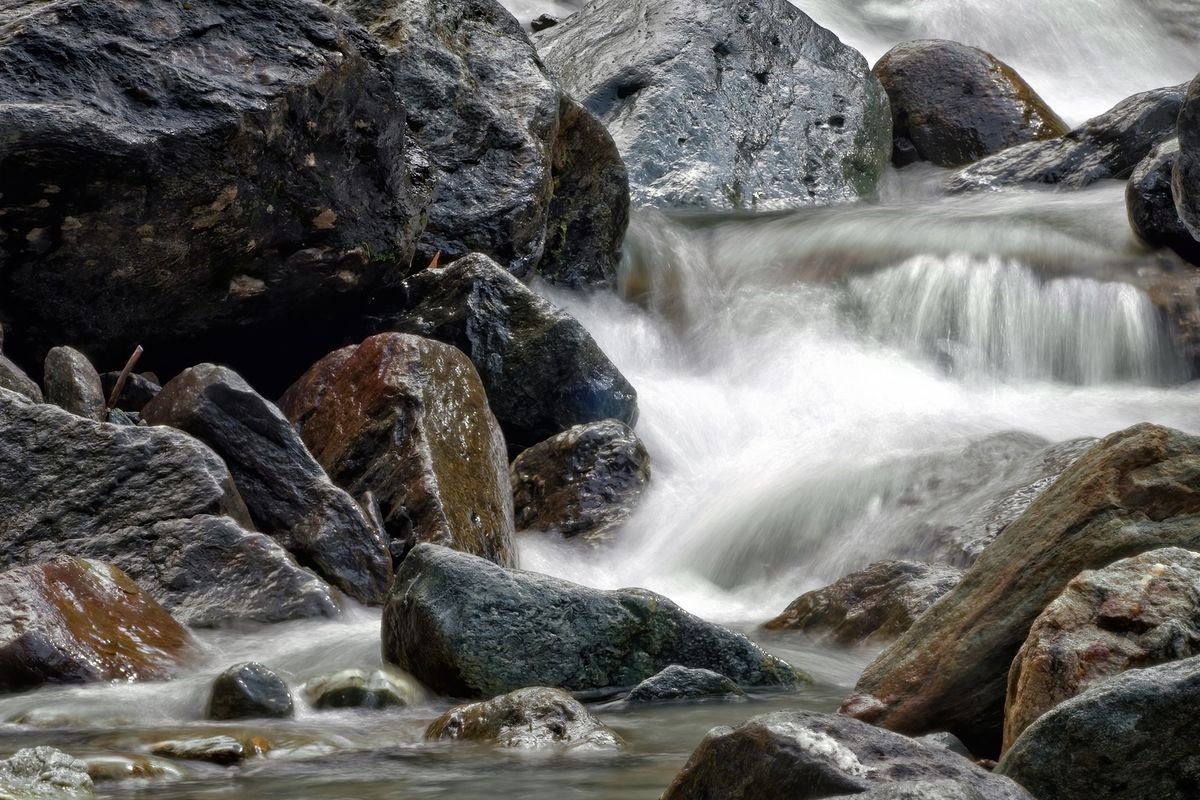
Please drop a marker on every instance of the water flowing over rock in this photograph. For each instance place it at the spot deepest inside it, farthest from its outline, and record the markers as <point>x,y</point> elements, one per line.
<point>286,492</point>
<point>1107,146</point>
<point>1150,201</point>
<point>247,691</point>
<point>1134,613</point>
<point>74,620</point>
<point>788,116</point>
<point>468,628</point>
<point>406,419</point>
<point>154,502</point>
<point>1186,177</point>
<point>205,177</point>
<point>807,756</point>
<point>583,482</point>
<point>1131,737</point>
<point>677,683</point>
<point>542,370</point>
<point>72,383</point>
<point>879,602</point>
<point>356,688</point>
<point>530,718</point>
<point>43,772</point>
<point>955,104</point>
<point>1133,492</point>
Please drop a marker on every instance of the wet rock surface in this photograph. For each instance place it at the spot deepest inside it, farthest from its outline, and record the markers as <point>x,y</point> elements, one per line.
<point>791,115</point>
<point>73,384</point>
<point>287,493</point>
<point>806,755</point>
<point>356,688</point>
<point>955,104</point>
<point>1150,201</point>
<point>676,683</point>
<point>406,419</point>
<point>468,628</point>
<point>531,718</point>
<point>877,603</point>
<point>247,691</point>
<point>43,772</point>
<point>583,482</point>
<point>222,749</point>
<point>1186,176</point>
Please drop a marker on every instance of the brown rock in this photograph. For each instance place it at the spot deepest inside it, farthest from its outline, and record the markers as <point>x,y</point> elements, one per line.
<point>72,383</point>
<point>406,419</point>
<point>527,718</point>
<point>1137,490</point>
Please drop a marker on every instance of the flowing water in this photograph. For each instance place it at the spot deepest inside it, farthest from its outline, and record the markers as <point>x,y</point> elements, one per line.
<point>818,389</point>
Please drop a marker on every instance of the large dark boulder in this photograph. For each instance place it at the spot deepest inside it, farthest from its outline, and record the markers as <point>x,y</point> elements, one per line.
<point>1186,177</point>
<point>406,419</point>
<point>528,719</point>
<point>210,176</point>
<point>1135,491</point>
<point>803,755</point>
<point>542,370</point>
<point>154,502</point>
<point>955,104</point>
<point>1150,201</point>
<point>745,104</point>
<point>286,492</point>
<point>468,628</point>
<point>1132,737</point>
<point>522,177</point>
<point>1108,146</point>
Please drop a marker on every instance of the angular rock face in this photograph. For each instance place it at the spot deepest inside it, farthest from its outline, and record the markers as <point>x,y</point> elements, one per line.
<point>74,620</point>
<point>1186,177</point>
<point>478,111</point>
<point>286,492</point>
<point>1131,737</point>
<point>468,628</point>
<point>1134,613</point>
<point>249,690</point>
<point>154,502</point>
<point>406,419</point>
<point>956,104</point>
<point>209,176</point>
<point>528,719</point>
<point>791,115</point>
<point>583,482</point>
<point>1107,146</point>
<point>72,383</point>
<point>1135,491</point>
<point>542,370</point>
<point>1150,201</point>
<point>681,683</point>
<point>44,772</point>
<point>806,756</point>
<point>14,379</point>
<point>879,602</point>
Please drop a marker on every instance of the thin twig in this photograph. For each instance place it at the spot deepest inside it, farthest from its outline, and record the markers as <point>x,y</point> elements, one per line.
<point>115,395</point>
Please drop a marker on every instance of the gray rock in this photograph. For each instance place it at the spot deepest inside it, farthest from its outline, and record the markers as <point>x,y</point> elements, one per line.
<point>1185,180</point>
<point>682,683</point>
<point>1131,737</point>
<point>542,370</point>
<point>1107,146</point>
<point>221,749</point>
<point>72,383</point>
<point>790,115</point>
<point>466,627</point>
<point>804,755</point>
<point>947,741</point>
<point>14,379</point>
<point>43,772</point>
<point>286,492</point>
<point>1150,201</point>
<point>355,688</point>
<point>137,391</point>
<point>247,691</point>
<point>583,482</point>
<point>528,719</point>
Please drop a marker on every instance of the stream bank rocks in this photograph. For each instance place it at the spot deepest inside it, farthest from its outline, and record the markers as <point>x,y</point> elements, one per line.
<point>802,754</point>
<point>531,718</point>
<point>953,104</point>
<point>790,115</point>
<point>74,620</point>
<point>406,419</point>
<point>468,628</point>
<point>43,772</point>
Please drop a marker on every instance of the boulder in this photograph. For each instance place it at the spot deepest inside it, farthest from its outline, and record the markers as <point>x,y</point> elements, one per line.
<point>137,391</point>
<point>1151,203</point>
<point>1131,737</point>
<point>1135,491</point>
<point>529,719</point>
<point>73,620</point>
<point>1134,613</point>
<point>207,178</point>
<point>791,116</point>
<point>955,104</point>
<point>406,419</point>
<point>805,756</point>
<point>879,602</point>
<point>132,767</point>
<point>583,482</point>
<point>156,503</point>
<point>72,383</point>
<point>1108,146</point>
<point>14,379</point>
<point>220,749</point>
<point>468,628</point>
<point>286,492</point>
<point>43,772</point>
<point>1185,180</point>
<point>355,688</point>
<point>682,683</point>
<point>542,22</point>
<point>246,691</point>
<point>480,111</point>
<point>542,370</point>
